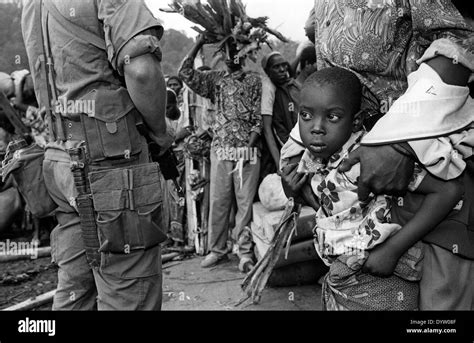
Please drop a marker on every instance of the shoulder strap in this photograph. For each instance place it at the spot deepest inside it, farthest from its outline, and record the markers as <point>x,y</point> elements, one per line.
<point>43,64</point>
<point>48,66</point>
<point>73,28</point>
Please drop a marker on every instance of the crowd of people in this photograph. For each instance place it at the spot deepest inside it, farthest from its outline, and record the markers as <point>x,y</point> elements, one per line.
<point>389,183</point>
<point>261,107</point>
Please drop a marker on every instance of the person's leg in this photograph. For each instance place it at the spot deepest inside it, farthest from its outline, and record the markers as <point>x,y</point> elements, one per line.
<point>165,219</point>
<point>221,194</point>
<point>176,230</point>
<point>177,210</point>
<point>76,288</point>
<point>471,277</point>
<point>245,197</point>
<point>130,282</point>
<point>447,282</point>
<point>181,215</point>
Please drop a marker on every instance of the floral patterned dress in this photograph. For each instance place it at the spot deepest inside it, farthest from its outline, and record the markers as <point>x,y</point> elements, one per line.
<point>345,225</point>
<point>347,229</point>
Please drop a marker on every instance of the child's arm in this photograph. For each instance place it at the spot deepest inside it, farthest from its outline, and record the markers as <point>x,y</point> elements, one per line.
<point>297,185</point>
<point>441,197</point>
<point>309,197</point>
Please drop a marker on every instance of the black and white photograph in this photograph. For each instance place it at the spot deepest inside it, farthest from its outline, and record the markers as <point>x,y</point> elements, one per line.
<point>237,157</point>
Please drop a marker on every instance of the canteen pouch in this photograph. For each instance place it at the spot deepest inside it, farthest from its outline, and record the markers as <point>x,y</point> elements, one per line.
<point>128,203</point>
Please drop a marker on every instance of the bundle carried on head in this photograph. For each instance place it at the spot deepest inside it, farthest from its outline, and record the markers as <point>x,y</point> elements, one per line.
<point>226,21</point>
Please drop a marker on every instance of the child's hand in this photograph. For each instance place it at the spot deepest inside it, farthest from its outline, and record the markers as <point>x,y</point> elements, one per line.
<point>381,262</point>
<point>292,180</point>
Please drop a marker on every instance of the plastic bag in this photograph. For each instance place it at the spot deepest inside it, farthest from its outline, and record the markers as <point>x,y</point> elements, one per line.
<point>271,193</point>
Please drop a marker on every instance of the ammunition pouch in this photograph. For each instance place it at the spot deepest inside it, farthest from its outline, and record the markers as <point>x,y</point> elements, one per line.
<point>25,166</point>
<point>128,203</point>
<point>109,127</point>
<point>118,139</point>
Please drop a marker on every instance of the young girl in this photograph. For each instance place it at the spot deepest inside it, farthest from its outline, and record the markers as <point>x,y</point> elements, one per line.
<point>373,255</point>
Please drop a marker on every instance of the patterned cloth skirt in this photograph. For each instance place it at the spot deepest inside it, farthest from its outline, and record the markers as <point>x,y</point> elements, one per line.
<point>345,289</point>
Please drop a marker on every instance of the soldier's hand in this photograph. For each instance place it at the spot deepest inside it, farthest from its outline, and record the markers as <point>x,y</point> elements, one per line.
<point>164,141</point>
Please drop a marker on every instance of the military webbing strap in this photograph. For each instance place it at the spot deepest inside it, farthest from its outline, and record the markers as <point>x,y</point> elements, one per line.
<point>42,59</point>
<point>48,70</point>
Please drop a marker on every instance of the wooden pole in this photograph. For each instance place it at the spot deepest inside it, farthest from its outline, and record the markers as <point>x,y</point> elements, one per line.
<point>33,302</point>
<point>169,257</point>
<point>190,208</point>
<point>41,252</point>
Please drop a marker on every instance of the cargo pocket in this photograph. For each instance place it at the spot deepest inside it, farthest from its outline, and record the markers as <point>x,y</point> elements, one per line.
<point>150,224</point>
<point>129,208</point>
<point>111,235</point>
<point>126,231</point>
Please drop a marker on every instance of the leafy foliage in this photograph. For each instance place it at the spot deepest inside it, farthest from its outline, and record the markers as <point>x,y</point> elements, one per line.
<point>225,21</point>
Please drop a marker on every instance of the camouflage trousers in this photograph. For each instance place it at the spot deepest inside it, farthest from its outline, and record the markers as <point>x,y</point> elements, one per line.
<point>122,282</point>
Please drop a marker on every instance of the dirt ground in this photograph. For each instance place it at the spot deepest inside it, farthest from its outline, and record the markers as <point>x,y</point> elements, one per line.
<point>22,280</point>
<point>186,286</point>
